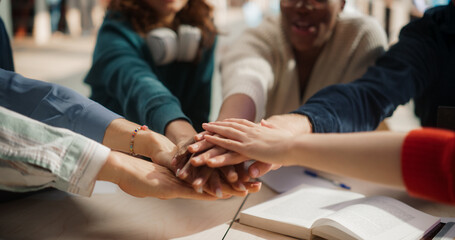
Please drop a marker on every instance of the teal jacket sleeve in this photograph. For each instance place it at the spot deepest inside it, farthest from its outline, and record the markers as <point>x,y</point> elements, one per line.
<point>54,105</point>
<point>122,79</point>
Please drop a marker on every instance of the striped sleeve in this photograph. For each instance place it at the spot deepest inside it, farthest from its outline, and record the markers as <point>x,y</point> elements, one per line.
<point>34,156</point>
<point>428,164</point>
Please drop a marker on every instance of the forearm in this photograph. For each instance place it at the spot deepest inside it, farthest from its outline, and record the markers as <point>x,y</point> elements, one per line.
<point>369,156</point>
<point>119,133</point>
<point>112,169</point>
<point>54,105</point>
<point>238,106</point>
<point>179,131</point>
<point>347,108</point>
<point>146,142</point>
<point>400,74</point>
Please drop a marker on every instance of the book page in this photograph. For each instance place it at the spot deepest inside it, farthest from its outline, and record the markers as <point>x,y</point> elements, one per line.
<point>301,208</point>
<point>286,178</point>
<point>380,218</point>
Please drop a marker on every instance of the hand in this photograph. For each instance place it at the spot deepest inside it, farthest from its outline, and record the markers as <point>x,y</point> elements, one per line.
<point>251,140</point>
<point>208,150</point>
<point>223,159</point>
<point>234,174</point>
<point>293,123</point>
<point>203,147</point>
<point>207,179</point>
<point>141,178</point>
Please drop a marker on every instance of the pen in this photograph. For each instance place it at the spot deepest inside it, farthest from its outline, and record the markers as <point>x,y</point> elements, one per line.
<point>334,182</point>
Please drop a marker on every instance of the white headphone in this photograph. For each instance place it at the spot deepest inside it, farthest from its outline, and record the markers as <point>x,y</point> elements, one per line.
<point>166,46</point>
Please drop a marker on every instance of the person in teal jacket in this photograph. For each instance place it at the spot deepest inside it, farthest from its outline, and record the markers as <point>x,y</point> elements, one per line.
<point>153,64</point>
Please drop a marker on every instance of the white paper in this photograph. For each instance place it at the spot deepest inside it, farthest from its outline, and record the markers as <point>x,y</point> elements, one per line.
<point>287,178</point>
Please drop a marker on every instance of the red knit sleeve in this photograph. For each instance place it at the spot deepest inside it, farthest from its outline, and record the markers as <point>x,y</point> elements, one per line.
<point>428,161</point>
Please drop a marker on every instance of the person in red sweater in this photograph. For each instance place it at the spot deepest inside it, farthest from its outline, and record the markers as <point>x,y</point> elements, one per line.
<point>422,160</point>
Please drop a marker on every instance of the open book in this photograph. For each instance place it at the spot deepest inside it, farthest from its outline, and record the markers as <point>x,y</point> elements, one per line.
<point>337,214</point>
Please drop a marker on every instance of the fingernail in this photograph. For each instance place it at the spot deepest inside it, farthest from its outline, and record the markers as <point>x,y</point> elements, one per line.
<point>233,177</point>
<point>194,147</point>
<point>242,187</point>
<point>196,160</point>
<point>199,190</point>
<point>199,136</point>
<point>197,182</point>
<point>254,172</point>
<point>177,172</point>
<point>219,194</point>
<point>181,174</point>
<point>212,161</point>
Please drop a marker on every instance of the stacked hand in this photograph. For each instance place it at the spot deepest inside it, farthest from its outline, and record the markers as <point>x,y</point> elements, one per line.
<point>219,182</point>
<point>248,140</point>
<point>145,179</point>
<point>231,142</point>
<point>213,167</point>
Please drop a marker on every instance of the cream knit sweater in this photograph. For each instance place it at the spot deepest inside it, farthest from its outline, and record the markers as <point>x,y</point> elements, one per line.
<point>261,64</point>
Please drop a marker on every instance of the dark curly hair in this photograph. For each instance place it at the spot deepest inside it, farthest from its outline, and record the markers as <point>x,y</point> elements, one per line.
<point>143,17</point>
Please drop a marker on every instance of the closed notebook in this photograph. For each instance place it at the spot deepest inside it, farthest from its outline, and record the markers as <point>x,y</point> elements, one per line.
<point>338,214</point>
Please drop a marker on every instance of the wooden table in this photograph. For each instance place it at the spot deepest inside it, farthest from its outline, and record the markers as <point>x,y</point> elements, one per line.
<point>113,214</point>
<point>116,215</point>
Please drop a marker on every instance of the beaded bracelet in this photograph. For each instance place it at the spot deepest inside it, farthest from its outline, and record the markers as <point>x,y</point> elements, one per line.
<point>143,127</point>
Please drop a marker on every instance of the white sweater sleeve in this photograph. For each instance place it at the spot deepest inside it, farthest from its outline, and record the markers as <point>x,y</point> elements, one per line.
<point>246,67</point>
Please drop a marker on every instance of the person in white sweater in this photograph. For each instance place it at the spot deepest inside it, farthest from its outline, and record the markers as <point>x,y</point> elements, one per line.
<point>274,68</point>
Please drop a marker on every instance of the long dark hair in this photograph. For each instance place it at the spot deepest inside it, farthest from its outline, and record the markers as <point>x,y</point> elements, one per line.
<point>143,17</point>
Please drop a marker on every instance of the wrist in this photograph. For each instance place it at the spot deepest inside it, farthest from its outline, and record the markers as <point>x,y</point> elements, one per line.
<point>112,168</point>
<point>309,125</point>
<point>296,151</point>
<point>296,124</point>
<point>238,105</point>
<point>179,131</point>
<point>145,143</point>
<point>302,123</point>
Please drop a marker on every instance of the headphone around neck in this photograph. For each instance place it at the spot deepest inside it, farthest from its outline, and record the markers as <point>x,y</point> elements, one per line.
<point>167,46</point>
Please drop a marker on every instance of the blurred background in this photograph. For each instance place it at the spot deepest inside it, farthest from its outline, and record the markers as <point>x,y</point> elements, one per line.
<point>53,40</point>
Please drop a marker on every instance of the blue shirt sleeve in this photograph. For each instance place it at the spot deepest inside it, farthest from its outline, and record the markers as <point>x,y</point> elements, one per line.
<point>404,72</point>
<point>54,105</point>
